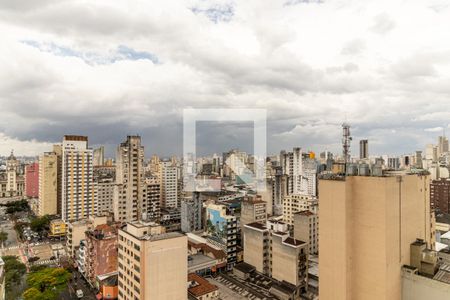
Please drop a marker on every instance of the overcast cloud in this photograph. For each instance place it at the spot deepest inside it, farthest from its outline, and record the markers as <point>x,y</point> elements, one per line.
<point>111,68</point>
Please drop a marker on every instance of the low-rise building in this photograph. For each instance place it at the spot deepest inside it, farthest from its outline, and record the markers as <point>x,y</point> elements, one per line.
<point>200,288</point>
<point>101,252</point>
<point>269,248</point>
<point>57,228</point>
<point>76,230</point>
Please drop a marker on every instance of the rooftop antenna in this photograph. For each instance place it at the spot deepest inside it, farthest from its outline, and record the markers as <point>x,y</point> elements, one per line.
<point>346,139</point>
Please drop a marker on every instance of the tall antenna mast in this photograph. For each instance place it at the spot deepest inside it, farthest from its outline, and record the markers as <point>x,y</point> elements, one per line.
<point>346,139</point>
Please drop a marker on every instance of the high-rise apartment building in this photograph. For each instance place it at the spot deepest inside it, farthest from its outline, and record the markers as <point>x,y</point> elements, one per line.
<point>32,180</point>
<point>48,181</point>
<point>363,149</point>
<point>12,182</point>
<point>191,213</point>
<point>76,181</point>
<point>99,156</point>
<point>297,203</point>
<point>130,199</point>
<point>443,144</point>
<point>104,194</point>
<point>169,184</point>
<point>221,228</point>
<point>440,195</point>
<point>306,228</point>
<point>153,188</point>
<point>152,264</point>
<point>301,169</point>
<point>366,227</point>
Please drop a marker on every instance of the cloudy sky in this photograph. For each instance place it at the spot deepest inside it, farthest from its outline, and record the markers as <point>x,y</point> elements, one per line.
<point>111,68</point>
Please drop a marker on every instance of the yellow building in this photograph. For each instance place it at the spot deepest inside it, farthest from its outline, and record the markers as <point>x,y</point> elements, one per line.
<point>48,181</point>
<point>152,264</point>
<point>57,228</point>
<point>366,227</point>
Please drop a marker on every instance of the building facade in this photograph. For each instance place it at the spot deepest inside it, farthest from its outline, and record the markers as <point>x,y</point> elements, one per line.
<point>269,248</point>
<point>221,228</point>
<point>366,227</point>
<point>130,201</point>
<point>440,195</point>
<point>77,177</point>
<point>48,184</point>
<point>12,182</point>
<point>104,194</point>
<point>32,180</point>
<point>152,264</point>
<point>296,203</point>
<point>169,184</point>
<point>306,228</point>
<point>191,213</point>
<point>101,252</point>
<point>153,187</point>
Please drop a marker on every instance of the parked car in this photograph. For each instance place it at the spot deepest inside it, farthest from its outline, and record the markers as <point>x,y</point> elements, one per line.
<point>80,294</point>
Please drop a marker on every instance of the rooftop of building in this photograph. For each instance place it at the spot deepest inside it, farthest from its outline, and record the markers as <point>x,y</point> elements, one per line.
<point>76,138</point>
<point>443,274</point>
<point>293,242</point>
<point>418,242</point>
<point>256,225</point>
<point>142,223</point>
<point>307,213</point>
<point>245,268</point>
<point>200,286</point>
<point>446,235</point>
<point>161,236</point>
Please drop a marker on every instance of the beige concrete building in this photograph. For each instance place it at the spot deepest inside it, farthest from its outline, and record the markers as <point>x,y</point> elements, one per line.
<point>306,228</point>
<point>76,231</point>
<point>269,248</point>
<point>152,264</point>
<point>48,181</point>
<point>253,209</point>
<point>295,203</point>
<point>366,227</point>
<point>104,194</point>
<point>129,194</point>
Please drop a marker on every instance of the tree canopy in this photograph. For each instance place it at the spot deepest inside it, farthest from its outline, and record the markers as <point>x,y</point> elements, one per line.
<point>46,283</point>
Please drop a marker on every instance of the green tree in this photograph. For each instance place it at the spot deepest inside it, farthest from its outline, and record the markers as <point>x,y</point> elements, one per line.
<point>48,283</point>
<point>40,224</point>
<point>16,206</point>
<point>14,271</point>
<point>3,237</point>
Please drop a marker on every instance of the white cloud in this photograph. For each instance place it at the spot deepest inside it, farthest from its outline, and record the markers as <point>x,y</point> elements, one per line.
<point>312,65</point>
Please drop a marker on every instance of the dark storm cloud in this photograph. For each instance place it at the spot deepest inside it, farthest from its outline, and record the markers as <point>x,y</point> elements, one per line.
<point>112,68</point>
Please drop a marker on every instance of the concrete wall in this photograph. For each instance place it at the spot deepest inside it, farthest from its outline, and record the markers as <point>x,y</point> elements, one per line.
<point>366,227</point>
<point>253,251</point>
<point>166,269</point>
<point>415,287</point>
